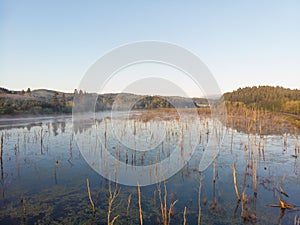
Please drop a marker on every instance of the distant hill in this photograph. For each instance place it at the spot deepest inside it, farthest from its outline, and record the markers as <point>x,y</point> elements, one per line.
<point>5,91</point>
<point>34,102</point>
<point>48,94</point>
<point>43,101</point>
<point>275,99</point>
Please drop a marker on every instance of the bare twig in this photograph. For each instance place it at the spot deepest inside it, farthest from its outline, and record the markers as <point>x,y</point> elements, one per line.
<point>90,196</point>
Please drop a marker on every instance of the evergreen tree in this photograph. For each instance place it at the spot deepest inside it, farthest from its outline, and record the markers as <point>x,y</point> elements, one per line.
<point>28,92</point>
<point>55,101</point>
<point>63,100</point>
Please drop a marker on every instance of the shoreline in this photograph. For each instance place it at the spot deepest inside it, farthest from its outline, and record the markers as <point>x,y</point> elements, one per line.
<point>32,117</point>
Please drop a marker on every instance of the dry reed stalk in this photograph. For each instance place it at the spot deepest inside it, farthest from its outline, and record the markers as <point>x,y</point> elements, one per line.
<point>284,141</point>
<point>184,216</point>
<point>140,205</point>
<point>1,156</point>
<point>169,143</point>
<point>243,213</point>
<point>161,202</point>
<point>71,147</point>
<point>165,213</point>
<point>234,182</point>
<point>215,172</point>
<point>41,140</point>
<point>254,165</point>
<point>111,199</point>
<point>165,201</point>
<point>171,211</point>
<point>296,141</point>
<point>260,127</point>
<point>199,200</point>
<point>23,201</point>
<point>1,146</point>
<point>154,199</point>
<point>128,205</point>
<point>231,142</point>
<point>55,169</point>
<point>263,148</point>
<point>90,196</point>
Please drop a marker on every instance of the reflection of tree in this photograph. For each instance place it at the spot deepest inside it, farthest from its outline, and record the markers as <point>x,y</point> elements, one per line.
<point>28,127</point>
<point>55,128</point>
<point>82,125</point>
<point>63,126</point>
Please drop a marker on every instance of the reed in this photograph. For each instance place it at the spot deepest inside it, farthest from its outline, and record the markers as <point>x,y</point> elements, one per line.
<point>284,142</point>
<point>140,204</point>
<point>199,199</point>
<point>184,216</point>
<point>231,142</point>
<point>215,171</point>
<point>296,141</point>
<point>1,156</point>
<point>128,205</point>
<point>111,199</point>
<point>90,196</point>
<point>296,220</point>
<point>171,212</point>
<point>41,141</point>
<point>243,213</point>
<point>234,182</point>
<point>166,213</point>
<point>71,146</point>
<point>23,201</point>
<point>1,146</point>
<point>154,199</point>
<point>55,171</point>
<point>254,166</point>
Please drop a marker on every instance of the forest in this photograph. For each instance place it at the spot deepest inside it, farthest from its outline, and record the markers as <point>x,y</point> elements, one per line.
<point>272,99</point>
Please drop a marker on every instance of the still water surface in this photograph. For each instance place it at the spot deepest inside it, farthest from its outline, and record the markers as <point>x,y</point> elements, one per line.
<point>43,175</point>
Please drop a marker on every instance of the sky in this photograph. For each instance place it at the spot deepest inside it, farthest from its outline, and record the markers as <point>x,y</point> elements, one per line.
<point>52,44</point>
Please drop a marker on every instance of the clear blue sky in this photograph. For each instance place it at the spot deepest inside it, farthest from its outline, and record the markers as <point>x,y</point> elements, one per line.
<point>51,44</point>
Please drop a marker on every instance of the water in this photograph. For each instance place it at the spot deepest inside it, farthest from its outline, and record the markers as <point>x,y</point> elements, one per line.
<point>43,173</point>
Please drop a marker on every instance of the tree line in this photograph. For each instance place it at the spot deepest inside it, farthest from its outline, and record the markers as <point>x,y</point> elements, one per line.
<point>22,102</point>
<point>273,99</point>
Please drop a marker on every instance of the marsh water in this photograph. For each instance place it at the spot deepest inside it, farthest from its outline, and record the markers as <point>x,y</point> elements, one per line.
<point>44,173</point>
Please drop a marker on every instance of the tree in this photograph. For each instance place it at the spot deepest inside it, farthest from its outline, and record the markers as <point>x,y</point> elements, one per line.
<point>63,100</point>
<point>28,92</point>
<point>54,100</point>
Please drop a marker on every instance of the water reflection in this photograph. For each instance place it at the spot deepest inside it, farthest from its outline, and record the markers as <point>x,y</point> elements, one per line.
<point>42,166</point>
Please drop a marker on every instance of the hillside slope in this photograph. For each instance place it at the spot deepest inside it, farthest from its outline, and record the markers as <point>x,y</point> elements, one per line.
<point>274,99</point>
<point>43,101</point>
